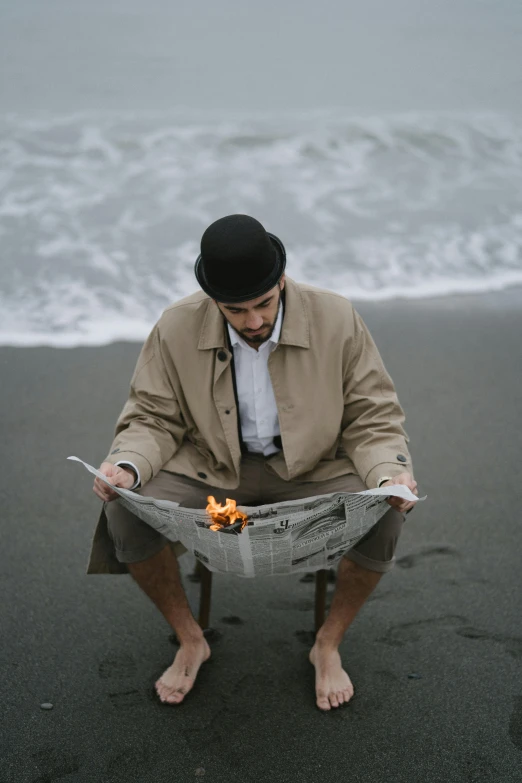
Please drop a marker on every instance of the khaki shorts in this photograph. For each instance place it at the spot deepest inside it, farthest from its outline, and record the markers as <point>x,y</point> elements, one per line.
<point>134,540</point>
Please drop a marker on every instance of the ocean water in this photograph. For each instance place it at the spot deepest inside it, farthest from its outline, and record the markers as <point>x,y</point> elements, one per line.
<point>100,219</point>
<point>128,127</point>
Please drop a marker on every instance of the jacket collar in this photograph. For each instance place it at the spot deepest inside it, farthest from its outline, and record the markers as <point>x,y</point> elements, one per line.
<point>295,329</point>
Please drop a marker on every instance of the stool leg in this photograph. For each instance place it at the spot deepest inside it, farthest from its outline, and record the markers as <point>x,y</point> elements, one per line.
<point>321,579</point>
<point>204,596</point>
<point>195,576</point>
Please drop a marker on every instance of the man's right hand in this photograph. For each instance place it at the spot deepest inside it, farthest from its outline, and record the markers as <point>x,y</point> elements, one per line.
<point>117,475</point>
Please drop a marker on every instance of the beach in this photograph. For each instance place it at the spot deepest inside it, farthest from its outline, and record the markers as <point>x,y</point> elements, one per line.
<point>382,144</point>
<point>435,656</point>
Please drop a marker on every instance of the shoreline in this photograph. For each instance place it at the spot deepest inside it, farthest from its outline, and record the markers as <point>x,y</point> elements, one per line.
<point>509,298</point>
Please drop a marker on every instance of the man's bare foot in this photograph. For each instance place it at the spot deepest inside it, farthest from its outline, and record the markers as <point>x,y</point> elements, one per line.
<point>178,679</point>
<point>333,687</point>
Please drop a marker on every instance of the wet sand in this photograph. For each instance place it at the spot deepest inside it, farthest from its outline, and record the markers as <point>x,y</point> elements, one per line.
<point>449,612</point>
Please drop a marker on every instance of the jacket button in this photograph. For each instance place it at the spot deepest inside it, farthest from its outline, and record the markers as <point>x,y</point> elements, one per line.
<point>401,458</point>
<point>202,475</point>
<point>222,356</point>
<point>227,411</point>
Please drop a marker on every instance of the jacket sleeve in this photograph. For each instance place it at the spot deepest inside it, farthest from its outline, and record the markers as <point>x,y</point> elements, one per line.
<point>372,431</point>
<point>150,428</point>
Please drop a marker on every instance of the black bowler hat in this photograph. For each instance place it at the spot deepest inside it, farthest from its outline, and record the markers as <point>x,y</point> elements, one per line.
<point>239,260</point>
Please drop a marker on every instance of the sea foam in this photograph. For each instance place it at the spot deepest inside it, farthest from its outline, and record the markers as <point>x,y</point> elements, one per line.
<point>100,217</point>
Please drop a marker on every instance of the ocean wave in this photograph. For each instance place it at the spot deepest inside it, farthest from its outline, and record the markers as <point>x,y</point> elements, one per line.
<point>100,217</point>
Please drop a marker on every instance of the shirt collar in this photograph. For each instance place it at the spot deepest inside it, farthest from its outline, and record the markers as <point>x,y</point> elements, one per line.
<point>236,339</point>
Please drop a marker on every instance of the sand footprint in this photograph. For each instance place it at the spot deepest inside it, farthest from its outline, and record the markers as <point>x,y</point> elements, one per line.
<point>117,668</point>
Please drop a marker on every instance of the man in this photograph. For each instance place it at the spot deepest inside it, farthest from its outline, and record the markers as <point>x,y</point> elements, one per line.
<point>265,390</point>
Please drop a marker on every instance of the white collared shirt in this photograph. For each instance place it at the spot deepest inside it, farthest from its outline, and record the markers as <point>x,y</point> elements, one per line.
<point>257,405</point>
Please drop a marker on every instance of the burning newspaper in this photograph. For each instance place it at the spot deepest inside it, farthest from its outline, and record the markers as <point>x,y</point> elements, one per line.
<point>280,538</point>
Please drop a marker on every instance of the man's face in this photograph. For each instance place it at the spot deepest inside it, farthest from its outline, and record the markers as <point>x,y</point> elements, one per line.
<point>254,320</point>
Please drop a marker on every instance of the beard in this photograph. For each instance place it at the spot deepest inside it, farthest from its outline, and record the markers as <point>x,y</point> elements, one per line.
<point>258,339</point>
<point>266,334</point>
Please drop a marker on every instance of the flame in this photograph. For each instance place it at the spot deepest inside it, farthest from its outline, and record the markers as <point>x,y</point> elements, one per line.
<point>224,516</point>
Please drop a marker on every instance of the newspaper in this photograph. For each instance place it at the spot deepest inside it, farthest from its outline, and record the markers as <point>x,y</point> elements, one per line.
<point>280,538</point>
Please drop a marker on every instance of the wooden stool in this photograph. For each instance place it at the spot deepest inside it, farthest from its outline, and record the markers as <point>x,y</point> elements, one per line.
<point>321,579</point>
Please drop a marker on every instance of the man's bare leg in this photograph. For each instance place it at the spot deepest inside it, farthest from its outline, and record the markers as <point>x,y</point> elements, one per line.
<point>354,584</point>
<point>159,578</point>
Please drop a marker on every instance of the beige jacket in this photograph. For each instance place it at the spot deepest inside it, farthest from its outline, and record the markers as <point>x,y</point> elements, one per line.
<point>338,410</point>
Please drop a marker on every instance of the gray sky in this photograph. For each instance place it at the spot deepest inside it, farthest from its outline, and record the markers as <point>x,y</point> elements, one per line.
<point>371,56</point>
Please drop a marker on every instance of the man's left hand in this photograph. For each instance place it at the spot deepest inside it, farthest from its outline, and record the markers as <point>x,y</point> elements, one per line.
<point>398,503</point>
